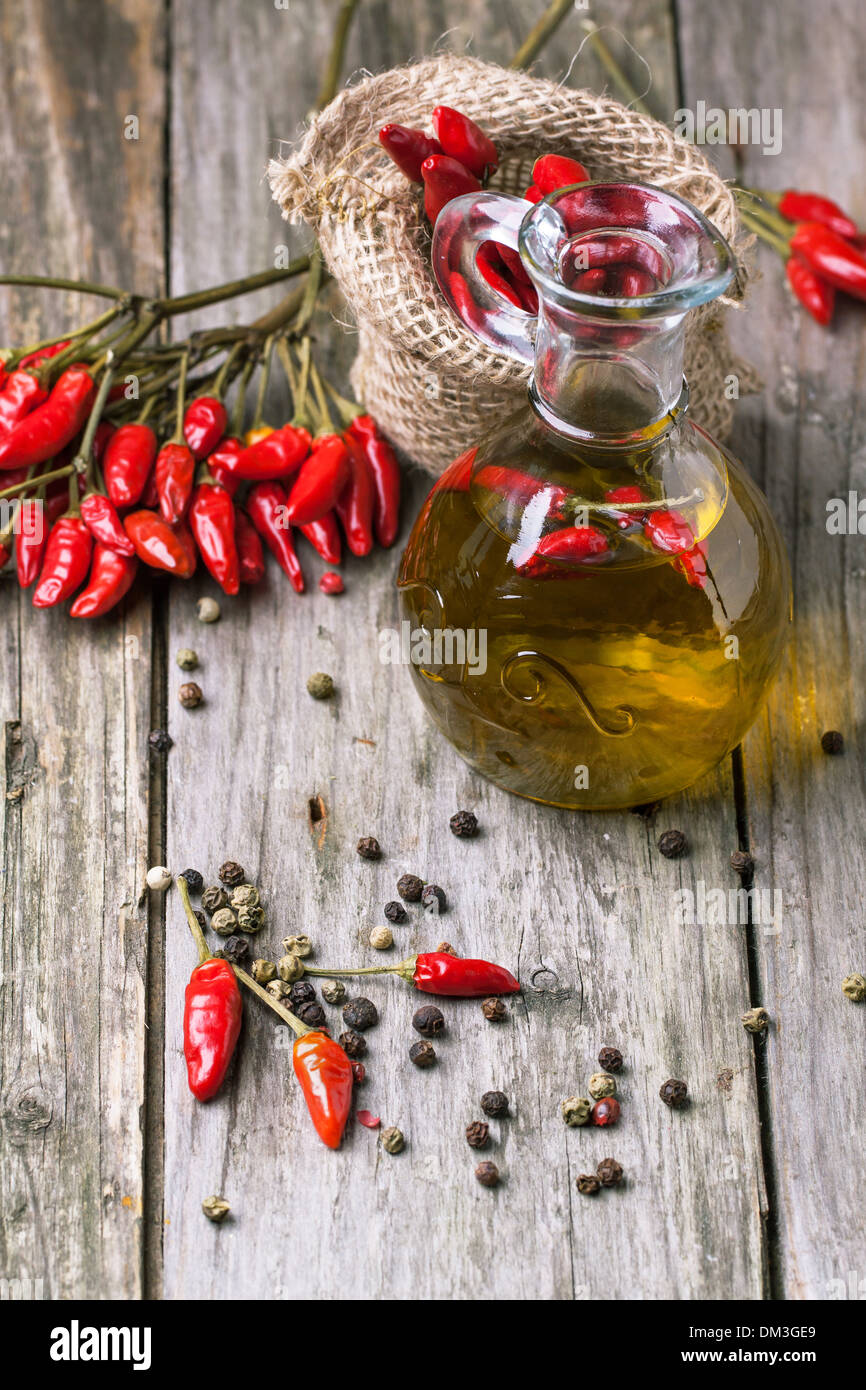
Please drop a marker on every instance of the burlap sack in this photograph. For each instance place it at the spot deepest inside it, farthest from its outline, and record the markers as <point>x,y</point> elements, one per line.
<point>429,382</point>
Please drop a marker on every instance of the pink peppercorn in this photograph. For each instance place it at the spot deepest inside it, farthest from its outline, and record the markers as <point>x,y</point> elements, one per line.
<point>331,583</point>
<point>605,1112</point>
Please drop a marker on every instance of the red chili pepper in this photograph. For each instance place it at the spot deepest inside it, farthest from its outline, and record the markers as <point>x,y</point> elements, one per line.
<point>49,428</point>
<point>105,432</point>
<point>408,148</point>
<point>445,179</point>
<point>22,392</point>
<point>386,477</point>
<point>128,460</point>
<point>555,171</point>
<point>592,281</point>
<point>458,475</point>
<point>798,206</point>
<point>221,463</point>
<point>323,476</point>
<point>358,499</point>
<point>251,559</point>
<point>331,583</point>
<point>490,268</point>
<point>150,496</point>
<point>67,560</point>
<point>572,544</point>
<point>519,278</point>
<point>34,522</point>
<point>266,506</point>
<point>275,456</point>
<point>628,282</point>
<point>211,1024</point>
<point>111,577</point>
<point>533,194</point>
<point>159,545</point>
<point>523,488</point>
<point>175,471</point>
<point>438,972</point>
<point>324,1073</point>
<point>465,141</point>
<point>814,294</point>
<point>468,310</point>
<point>829,256</point>
<point>100,517</point>
<point>33,359</point>
<point>204,423</point>
<point>630,494</point>
<point>324,537</point>
<point>212,521</point>
<point>671,533</point>
<point>693,566</point>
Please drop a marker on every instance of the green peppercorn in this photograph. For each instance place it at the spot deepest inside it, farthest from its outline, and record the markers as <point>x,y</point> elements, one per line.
<point>300,946</point>
<point>224,922</point>
<point>290,968</point>
<point>333,991</point>
<point>588,1184</point>
<point>187,659</point>
<point>320,685</point>
<point>755,1020</point>
<point>854,987</point>
<point>263,971</point>
<point>392,1140</point>
<point>251,919</point>
<point>212,899</point>
<point>216,1209</point>
<point>245,895</point>
<point>575,1111</point>
<point>278,988</point>
<point>600,1084</point>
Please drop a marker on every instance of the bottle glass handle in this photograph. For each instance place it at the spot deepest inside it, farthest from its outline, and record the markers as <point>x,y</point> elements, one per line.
<point>461,229</point>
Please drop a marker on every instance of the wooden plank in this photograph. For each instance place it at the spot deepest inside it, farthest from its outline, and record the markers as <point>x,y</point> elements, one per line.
<point>582,905</point>
<point>804,439</point>
<point>75,699</point>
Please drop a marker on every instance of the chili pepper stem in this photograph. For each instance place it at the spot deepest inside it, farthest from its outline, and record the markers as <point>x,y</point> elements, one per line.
<point>37,482</point>
<point>540,33</point>
<point>84,458</point>
<point>52,282</point>
<point>325,423</point>
<point>405,969</point>
<point>194,924</point>
<point>334,65</point>
<point>181,397</point>
<point>186,303</point>
<point>311,292</point>
<point>264,380</point>
<point>346,409</point>
<point>294,1023</point>
<point>761,230</point>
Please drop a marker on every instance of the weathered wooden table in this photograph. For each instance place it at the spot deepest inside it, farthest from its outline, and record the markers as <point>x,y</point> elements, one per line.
<point>754,1191</point>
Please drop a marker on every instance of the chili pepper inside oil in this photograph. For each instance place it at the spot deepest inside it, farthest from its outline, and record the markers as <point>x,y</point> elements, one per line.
<point>596,599</point>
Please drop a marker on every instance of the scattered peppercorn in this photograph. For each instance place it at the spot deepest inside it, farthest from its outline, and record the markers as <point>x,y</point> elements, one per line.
<point>158,878</point>
<point>187,659</point>
<point>487,1174</point>
<point>224,922</point>
<point>302,992</point>
<point>392,1140</point>
<point>231,874</point>
<point>278,988</point>
<point>464,824</point>
<point>359,1073</point>
<point>194,880</point>
<point>742,863</point>
<point>854,987</point>
<point>446,949</point>
<point>605,1112</point>
<point>832,742</point>
<point>410,888</point>
<point>200,918</point>
<point>428,1020</point>
<point>381,938</point>
<point>251,919</point>
<point>588,1184</point>
<point>369,848</point>
<point>160,741</point>
<point>495,1104</point>
<point>674,1093</point>
<point>395,912</point>
<point>353,1043</point>
<point>755,1020</point>
<point>333,991</point>
<point>245,895</point>
<point>236,949</point>
<point>672,844</point>
<point>216,1209</point>
<point>300,946</point>
<point>360,1013</point>
<point>290,967</point>
<point>600,1085</point>
<point>423,1054</point>
<point>576,1111</point>
<point>609,1172</point>
<point>190,695</point>
<point>263,971</point>
<point>312,1014</point>
<point>478,1134</point>
<point>320,685</point>
<point>207,610</point>
<point>610,1059</point>
<point>433,899</point>
<point>212,899</point>
<point>494,1010</point>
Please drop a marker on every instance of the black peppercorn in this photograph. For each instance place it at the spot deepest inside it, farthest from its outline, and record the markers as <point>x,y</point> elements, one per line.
<point>200,918</point>
<point>410,888</point>
<point>742,863</point>
<point>609,1172</point>
<point>672,844</point>
<point>494,1010</point>
<point>395,912</point>
<point>231,874</point>
<point>236,949</point>
<point>354,1044</point>
<point>487,1174</point>
<point>368,848</point>
<point>194,880</point>
<point>360,1013</point>
<point>588,1184</point>
<point>495,1104</point>
<point>311,1013</point>
<point>610,1059</point>
<point>302,992</point>
<point>423,1054</point>
<point>674,1093</point>
<point>214,899</point>
<point>464,824</point>
<point>477,1134</point>
<point>832,742</point>
<point>428,1020</point>
<point>160,741</point>
<point>433,899</point>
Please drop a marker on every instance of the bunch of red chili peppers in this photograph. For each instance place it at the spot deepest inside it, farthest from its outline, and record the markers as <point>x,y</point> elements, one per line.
<point>112,458</point>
